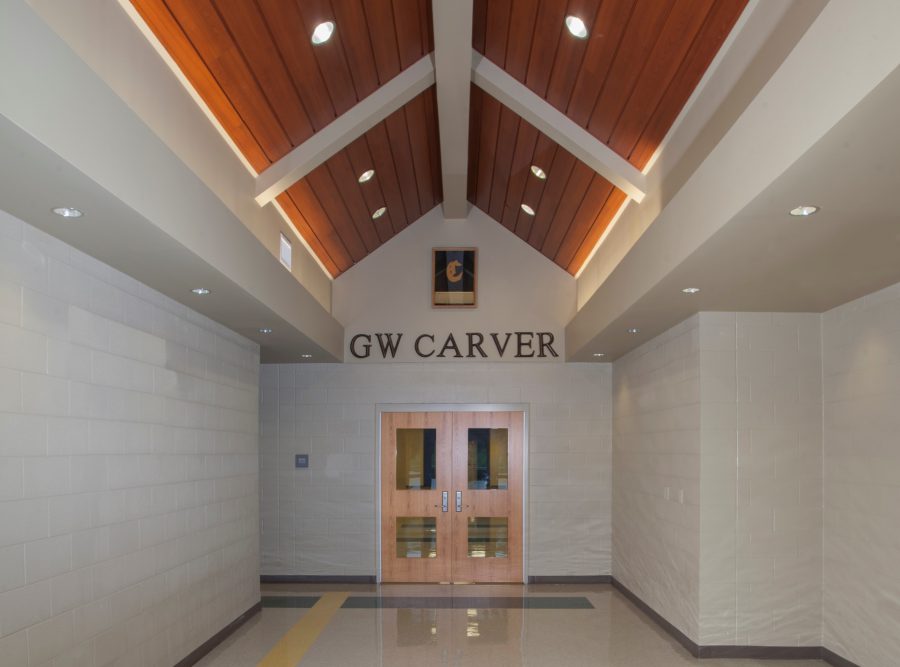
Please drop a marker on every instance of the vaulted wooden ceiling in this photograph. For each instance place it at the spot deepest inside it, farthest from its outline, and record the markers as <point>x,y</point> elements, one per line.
<point>271,89</point>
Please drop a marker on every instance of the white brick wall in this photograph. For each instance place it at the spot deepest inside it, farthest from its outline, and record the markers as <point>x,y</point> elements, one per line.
<point>322,520</point>
<point>128,464</point>
<point>862,478</point>
<point>717,477</point>
<point>761,479</point>
<point>656,473</point>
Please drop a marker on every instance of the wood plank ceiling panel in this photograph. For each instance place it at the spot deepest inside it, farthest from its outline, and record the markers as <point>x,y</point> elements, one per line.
<point>406,182</point>
<point>172,36</point>
<point>628,81</point>
<point>572,205</point>
<point>271,89</point>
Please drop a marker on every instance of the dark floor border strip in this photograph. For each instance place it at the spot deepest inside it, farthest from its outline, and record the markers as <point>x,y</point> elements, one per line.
<point>473,602</point>
<point>317,579</point>
<point>552,579</point>
<point>757,652</point>
<point>206,647</point>
<point>290,601</point>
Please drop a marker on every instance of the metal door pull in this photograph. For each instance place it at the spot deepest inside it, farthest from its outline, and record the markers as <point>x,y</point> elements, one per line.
<point>445,501</point>
<point>459,501</point>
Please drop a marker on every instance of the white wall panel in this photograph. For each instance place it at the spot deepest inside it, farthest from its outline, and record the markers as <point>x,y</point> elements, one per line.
<point>861,340</point>
<point>656,474</point>
<point>128,464</point>
<point>321,520</point>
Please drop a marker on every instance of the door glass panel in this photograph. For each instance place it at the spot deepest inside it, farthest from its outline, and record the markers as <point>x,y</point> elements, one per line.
<point>416,537</point>
<point>416,458</point>
<point>488,537</point>
<point>488,461</point>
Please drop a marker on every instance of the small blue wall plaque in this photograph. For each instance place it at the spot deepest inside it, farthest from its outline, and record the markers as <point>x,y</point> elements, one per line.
<point>301,460</point>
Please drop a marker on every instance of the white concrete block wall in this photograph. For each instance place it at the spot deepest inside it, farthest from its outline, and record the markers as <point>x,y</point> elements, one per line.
<point>656,474</point>
<point>862,479</point>
<point>761,480</point>
<point>321,520</point>
<point>128,465</point>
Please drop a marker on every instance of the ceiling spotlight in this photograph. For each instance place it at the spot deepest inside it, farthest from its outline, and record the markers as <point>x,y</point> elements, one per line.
<point>200,291</point>
<point>323,32</point>
<point>68,212</point>
<point>265,330</point>
<point>576,27</point>
<point>537,171</point>
<point>803,211</point>
<point>366,175</point>
<point>691,290</point>
<point>599,354</point>
<point>306,356</point>
<point>528,210</point>
<point>633,330</point>
<point>379,212</point>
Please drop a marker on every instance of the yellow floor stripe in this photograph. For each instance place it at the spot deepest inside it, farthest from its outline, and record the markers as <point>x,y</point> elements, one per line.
<point>294,645</point>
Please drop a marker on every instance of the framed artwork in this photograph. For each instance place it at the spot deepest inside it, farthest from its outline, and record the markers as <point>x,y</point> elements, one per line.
<point>453,277</point>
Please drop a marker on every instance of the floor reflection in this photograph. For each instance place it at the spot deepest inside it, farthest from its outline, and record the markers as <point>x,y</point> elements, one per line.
<point>609,632</point>
<point>451,636</point>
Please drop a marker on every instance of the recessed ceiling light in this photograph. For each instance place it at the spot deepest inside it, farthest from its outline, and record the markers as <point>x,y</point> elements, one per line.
<point>68,212</point>
<point>576,27</point>
<point>633,330</point>
<point>537,171</point>
<point>366,175</point>
<point>691,290</point>
<point>200,291</point>
<point>599,354</point>
<point>306,356</point>
<point>265,330</point>
<point>528,210</point>
<point>379,212</point>
<point>803,211</point>
<point>323,32</point>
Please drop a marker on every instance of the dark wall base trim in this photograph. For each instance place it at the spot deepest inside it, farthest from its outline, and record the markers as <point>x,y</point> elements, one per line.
<point>833,658</point>
<point>317,579</point>
<point>757,652</point>
<point>761,652</point>
<point>200,652</point>
<point>679,636</point>
<point>592,579</point>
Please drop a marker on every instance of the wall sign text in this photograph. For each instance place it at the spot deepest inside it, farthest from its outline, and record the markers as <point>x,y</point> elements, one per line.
<point>470,345</point>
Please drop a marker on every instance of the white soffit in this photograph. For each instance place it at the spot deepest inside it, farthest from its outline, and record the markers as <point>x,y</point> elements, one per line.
<point>344,129</point>
<point>842,56</point>
<point>100,141</point>
<point>107,36</point>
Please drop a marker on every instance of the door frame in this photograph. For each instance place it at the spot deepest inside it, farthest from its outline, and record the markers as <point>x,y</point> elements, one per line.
<point>381,408</point>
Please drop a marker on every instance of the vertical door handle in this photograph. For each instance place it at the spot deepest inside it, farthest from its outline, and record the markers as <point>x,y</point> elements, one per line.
<point>459,501</point>
<point>445,501</point>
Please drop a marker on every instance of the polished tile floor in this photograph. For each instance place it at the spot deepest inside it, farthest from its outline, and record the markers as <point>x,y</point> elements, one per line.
<point>399,625</point>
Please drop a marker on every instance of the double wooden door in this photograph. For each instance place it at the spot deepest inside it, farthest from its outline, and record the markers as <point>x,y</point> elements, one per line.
<point>451,496</point>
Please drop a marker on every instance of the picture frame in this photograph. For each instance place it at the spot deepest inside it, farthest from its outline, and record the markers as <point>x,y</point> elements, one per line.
<point>454,278</point>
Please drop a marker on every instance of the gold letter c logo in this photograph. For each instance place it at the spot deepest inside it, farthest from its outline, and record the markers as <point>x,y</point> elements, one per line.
<point>452,274</point>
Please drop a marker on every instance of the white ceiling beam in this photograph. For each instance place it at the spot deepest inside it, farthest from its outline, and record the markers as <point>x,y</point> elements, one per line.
<point>452,46</point>
<point>559,127</point>
<point>343,130</point>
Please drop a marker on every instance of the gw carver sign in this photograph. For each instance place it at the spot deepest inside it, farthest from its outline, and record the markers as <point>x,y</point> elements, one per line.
<point>468,345</point>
